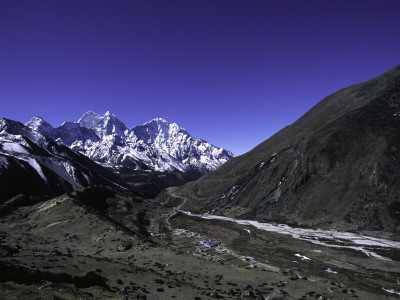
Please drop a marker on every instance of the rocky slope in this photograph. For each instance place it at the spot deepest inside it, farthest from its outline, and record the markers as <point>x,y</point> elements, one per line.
<point>338,167</point>
<point>35,165</point>
<point>156,145</point>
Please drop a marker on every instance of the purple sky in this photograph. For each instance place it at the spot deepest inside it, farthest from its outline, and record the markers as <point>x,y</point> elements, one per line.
<point>231,72</point>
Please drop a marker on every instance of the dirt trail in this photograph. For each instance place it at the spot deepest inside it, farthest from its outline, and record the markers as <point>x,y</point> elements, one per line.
<point>175,210</point>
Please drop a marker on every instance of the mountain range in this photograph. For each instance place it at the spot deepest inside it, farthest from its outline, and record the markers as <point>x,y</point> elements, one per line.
<point>37,159</point>
<point>156,145</point>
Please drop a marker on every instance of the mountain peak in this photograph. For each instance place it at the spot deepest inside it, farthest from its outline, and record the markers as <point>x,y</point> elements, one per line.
<point>40,125</point>
<point>157,120</point>
<point>102,125</point>
<point>37,121</point>
<point>4,122</point>
<point>110,116</point>
<point>89,119</point>
<point>90,113</point>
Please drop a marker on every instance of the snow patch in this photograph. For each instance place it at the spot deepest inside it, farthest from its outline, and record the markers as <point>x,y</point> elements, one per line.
<point>34,164</point>
<point>329,270</point>
<point>232,193</point>
<point>14,147</point>
<point>391,291</point>
<point>302,257</point>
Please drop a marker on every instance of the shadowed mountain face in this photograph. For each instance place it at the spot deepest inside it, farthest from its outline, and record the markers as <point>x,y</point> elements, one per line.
<point>338,167</point>
<point>33,164</point>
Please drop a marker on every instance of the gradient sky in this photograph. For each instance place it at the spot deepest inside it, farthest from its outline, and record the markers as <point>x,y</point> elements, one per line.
<point>231,72</point>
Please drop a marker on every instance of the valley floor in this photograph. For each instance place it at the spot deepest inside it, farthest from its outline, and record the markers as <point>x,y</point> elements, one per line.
<point>63,249</point>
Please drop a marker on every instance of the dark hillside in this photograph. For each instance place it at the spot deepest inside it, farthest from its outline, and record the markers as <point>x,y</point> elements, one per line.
<point>338,167</point>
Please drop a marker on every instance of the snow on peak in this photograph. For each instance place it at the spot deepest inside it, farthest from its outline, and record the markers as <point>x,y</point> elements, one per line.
<point>157,120</point>
<point>109,117</point>
<point>89,119</point>
<point>4,124</point>
<point>39,124</point>
<point>163,126</point>
<point>102,126</point>
<point>157,144</point>
<point>90,113</point>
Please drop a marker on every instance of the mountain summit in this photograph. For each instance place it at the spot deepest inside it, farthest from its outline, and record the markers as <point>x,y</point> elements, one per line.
<point>156,145</point>
<point>102,126</point>
<point>336,167</point>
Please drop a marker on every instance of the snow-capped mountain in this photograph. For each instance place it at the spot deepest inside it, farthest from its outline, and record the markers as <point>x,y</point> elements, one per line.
<point>32,163</point>
<point>156,145</point>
